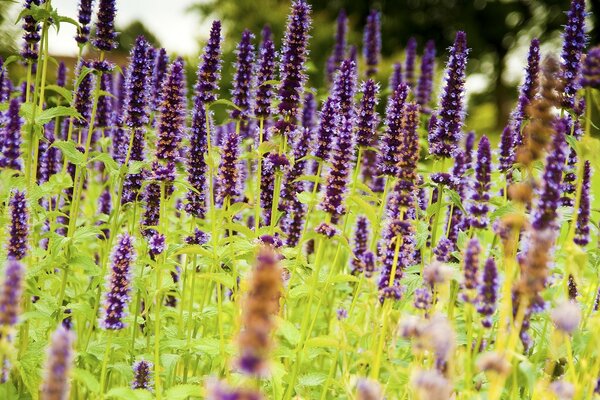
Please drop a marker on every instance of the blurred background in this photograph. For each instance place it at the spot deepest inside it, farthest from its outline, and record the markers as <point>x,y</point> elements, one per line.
<point>498,33</point>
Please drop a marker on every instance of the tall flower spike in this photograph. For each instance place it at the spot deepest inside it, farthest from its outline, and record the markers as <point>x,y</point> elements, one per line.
<point>229,170</point>
<point>591,69</point>
<point>444,139</point>
<point>411,58</point>
<point>56,383</point>
<point>106,36</point>
<point>471,270</point>
<point>368,119</point>
<point>339,48</point>
<point>61,75</point>
<point>545,214</point>
<point>104,112</point>
<point>31,36</point>
<point>528,89</point>
<point>11,137</point>
<point>118,284</point>
<point>392,136</point>
<point>574,41</point>
<point>159,74</point>
<point>10,295</point>
<point>396,77</point>
<point>292,65</point>
<point>84,16</point>
<point>582,231</point>
<point>83,95</point>
<point>243,79</point>
<point>265,72</point>
<point>196,164</point>
<point>361,244</point>
<point>19,227</point>
<point>209,70</point>
<point>292,186</point>
<point>372,42</point>
<point>425,83</point>
<point>478,208</point>
<point>259,308</point>
<point>327,125</point>
<point>309,112</point>
<point>345,87</point>
<point>506,157</point>
<point>142,375</point>
<point>488,292</point>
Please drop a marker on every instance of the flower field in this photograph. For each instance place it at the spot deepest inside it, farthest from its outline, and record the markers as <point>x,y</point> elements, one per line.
<point>353,241</point>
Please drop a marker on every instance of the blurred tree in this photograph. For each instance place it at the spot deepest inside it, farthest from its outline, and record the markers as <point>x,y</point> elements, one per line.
<point>493,29</point>
<point>8,30</point>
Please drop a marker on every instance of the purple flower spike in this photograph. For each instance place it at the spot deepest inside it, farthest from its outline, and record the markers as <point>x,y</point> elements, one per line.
<point>309,112</point>
<point>411,57</point>
<point>339,49</point>
<point>118,284</point>
<point>151,215</point>
<point>396,77</point>
<point>156,244</point>
<point>399,228</point>
<point>291,186</point>
<point>469,145</point>
<point>471,270</point>
<point>372,42</point>
<point>528,89</point>
<point>327,126</point>
<point>106,36</point>
<point>337,180</point>
<point>582,231</point>
<point>545,214</point>
<point>83,96</point>
<point>392,136</point>
<point>265,72</point>
<point>478,207</point>
<point>292,65</point>
<point>507,149</point>
<point>425,83</point>
<point>56,383</point>
<point>196,165</point>
<point>10,294</point>
<point>243,80</point>
<point>11,138</point>
<point>84,17</point>
<point>361,245</point>
<point>591,69</point>
<point>368,119</point>
<point>229,170</point>
<point>345,87</point>
<point>142,375</point>
<point>159,74</point>
<point>19,228</point>
<point>209,70</point>
<point>104,113</point>
<point>444,139</point>
<point>574,41</point>
<point>31,36</point>
<point>488,292</point>
<point>61,75</point>
<point>422,298</point>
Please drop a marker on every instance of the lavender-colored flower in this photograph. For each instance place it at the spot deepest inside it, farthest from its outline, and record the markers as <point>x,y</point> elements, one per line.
<point>399,229</point>
<point>61,74</point>
<point>292,64</point>
<point>309,112</point>
<point>11,138</point>
<point>582,230</point>
<point>209,70</point>
<point>506,157</point>
<point>574,41</point>
<point>566,317</point>
<point>411,58</point>
<point>545,214</point>
<point>591,69</point>
<point>341,313</point>
<point>217,390</point>
<point>31,36</point>
<point>368,119</point>
<point>84,16</point>
<point>229,170</point>
<point>361,245</point>
<point>159,75</point>
<point>104,112</point>
<point>337,180</point>
<point>392,136</point>
<point>339,49</point>
<point>443,250</point>
<point>372,42</point>
<point>294,224</point>
<point>196,164</point>
<point>243,78</point>
<point>367,389</point>
<point>49,156</point>
<point>156,244</point>
<point>10,294</point>
<point>106,36</point>
<point>82,98</point>
<point>471,270</point>
<point>444,139</point>
<point>19,228</point>
<point>468,152</point>
<point>265,71</point>
<point>396,77</point>
<point>478,207</point>
<point>198,237</point>
<point>528,89</point>
<point>422,298</point>
<point>488,292</point>
<point>118,284</point>
<point>56,383</point>
<point>151,214</point>
<point>344,87</point>
<point>425,83</point>
<point>327,127</point>
<point>142,375</point>
<point>291,185</point>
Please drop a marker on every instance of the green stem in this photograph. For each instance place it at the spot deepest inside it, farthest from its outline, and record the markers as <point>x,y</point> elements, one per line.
<point>107,353</point>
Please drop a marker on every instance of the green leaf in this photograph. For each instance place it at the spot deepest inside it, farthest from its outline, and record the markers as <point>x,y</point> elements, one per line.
<point>455,199</point>
<point>502,211</point>
<point>70,152</point>
<point>182,392</point>
<point>82,74</point>
<point>65,93</point>
<point>88,379</point>
<point>58,111</point>
<point>327,342</point>
<point>226,102</point>
<point>312,379</point>
<point>220,277</point>
<point>288,331</point>
<point>110,164</point>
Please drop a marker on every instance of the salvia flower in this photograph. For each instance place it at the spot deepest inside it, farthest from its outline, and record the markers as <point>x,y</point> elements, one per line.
<point>142,375</point>
<point>229,171</point>
<point>506,157</point>
<point>106,36</point>
<point>327,230</point>
<point>396,77</point>
<point>291,185</point>
<point>422,298</point>
<point>31,36</point>
<point>83,95</point>
<point>471,270</point>
<point>339,49</point>
<point>243,78</point>
<point>574,41</point>
<point>345,86</point>
<point>259,308</point>
<point>19,227</point>
<point>104,112</point>
<point>292,63</point>
<point>156,244</point>
<point>118,284</point>
<point>444,139</point>
<point>488,292</point>
<point>265,72</point>
<point>159,74</point>
<point>84,17</point>
<point>410,61</point>
<point>327,127</point>
<point>309,111</point>
<point>566,316</point>
<point>367,118</point>
<point>198,237</point>
<point>361,245</point>
<point>196,164</point>
<point>478,208</point>
<point>392,136</point>
<point>582,230</point>
<point>151,214</point>
<point>56,384</point>
<point>528,89</point>
<point>398,235</point>
<point>217,390</point>
<point>10,295</point>
<point>272,163</point>
<point>209,70</point>
<point>11,138</point>
<point>591,69</point>
<point>425,82</point>
<point>372,42</point>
